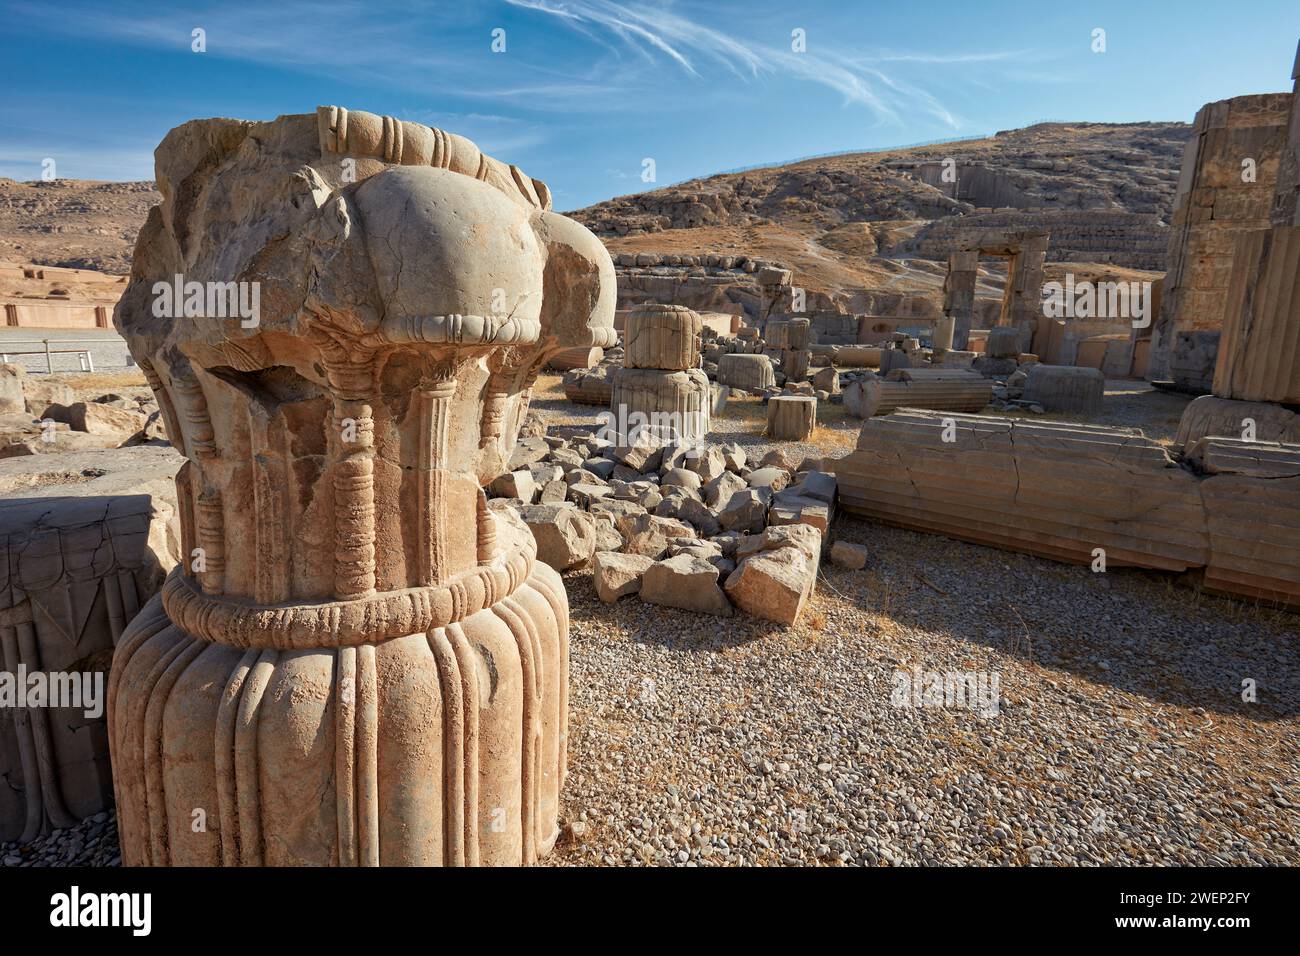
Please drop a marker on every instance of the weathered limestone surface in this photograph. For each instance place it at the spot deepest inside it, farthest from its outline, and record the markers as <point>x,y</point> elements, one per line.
<point>593,386</point>
<point>680,401</point>
<point>616,575</point>
<point>1051,489</point>
<point>367,665</point>
<point>581,357</point>
<point>751,372</point>
<point>662,337</point>
<point>1209,415</point>
<point>1063,491</point>
<point>791,417</point>
<point>1252,509</point>
<point>12,377</point>
<point>776,573</point>
<point>1003,342</point>
<point>1214,207</point>
<point>688,582</point>
<point>1066,388</point>
<point>858,357</point>
<point>77,561</point>
<point>1259,352</point>
<point>943,389</point>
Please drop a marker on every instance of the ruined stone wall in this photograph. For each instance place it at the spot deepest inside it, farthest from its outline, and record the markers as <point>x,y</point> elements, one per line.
<point>978,185</point>
<point>704,283</point>
<point>1257,358</point>
<point>1132,240</point>
<point>1220,198</point>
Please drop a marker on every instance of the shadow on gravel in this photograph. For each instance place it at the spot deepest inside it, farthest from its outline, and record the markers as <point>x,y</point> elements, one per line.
<point>1140,632</point>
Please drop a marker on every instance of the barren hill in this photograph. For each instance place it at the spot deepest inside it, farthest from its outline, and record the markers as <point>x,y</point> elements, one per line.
<point>1120,168</point>
<point>867,220</point>
<point>74,223</point>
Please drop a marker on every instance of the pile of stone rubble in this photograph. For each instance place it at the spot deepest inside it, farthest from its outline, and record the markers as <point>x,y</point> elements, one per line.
<point>702,529</point>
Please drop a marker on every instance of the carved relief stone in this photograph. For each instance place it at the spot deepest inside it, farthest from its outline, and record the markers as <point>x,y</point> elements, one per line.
<point>362,664</point>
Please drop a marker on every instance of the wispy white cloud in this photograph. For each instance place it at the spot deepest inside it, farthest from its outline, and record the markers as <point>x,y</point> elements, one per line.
<point>631,44</point>
<point>690,44</point>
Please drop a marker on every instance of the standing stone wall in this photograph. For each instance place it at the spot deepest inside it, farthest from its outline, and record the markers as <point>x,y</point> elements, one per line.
<point>1226,189</point>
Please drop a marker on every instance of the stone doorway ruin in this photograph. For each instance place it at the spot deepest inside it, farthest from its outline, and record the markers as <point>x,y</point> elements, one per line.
<point>1026,251</point>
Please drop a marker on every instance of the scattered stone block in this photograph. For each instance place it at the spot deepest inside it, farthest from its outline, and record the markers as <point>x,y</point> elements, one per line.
<point>12,400</point>
<point>708,464</point>
<point>719,491</point>
<point>528,451</point>
<point>746,510</point>
<point>514,484</point>
<point>680,478</point>
<point>770,477</point>
<point>649,535</point>
<point>617,575</point>
<point>827,380</point>
<point>1066,388</point>
<point>852,557</point>
<point>565,535</point>
<point>791,418</point>
<point>99,419</point>
<point>776,582</point>
<point>687,582</point>
<point>734,457</point>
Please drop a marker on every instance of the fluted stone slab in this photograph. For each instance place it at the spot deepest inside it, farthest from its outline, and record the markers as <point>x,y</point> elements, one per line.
<point>1211,416</point>
<point>945,389</point>
<point>77,561</point>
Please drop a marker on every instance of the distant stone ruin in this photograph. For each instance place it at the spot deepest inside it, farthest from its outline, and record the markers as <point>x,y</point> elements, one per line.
<point>1022,308</point>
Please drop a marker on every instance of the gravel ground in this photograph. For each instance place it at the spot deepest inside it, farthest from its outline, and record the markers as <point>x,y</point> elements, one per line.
<point>1121,736</point>
<point>93,842</point>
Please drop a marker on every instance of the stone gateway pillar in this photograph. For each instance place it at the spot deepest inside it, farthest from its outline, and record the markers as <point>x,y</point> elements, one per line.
<point>357,663</point>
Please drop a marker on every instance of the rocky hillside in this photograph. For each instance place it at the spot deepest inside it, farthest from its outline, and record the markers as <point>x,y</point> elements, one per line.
<point>868,231</point>
<point>75,223</point>
<point>1121,168</point>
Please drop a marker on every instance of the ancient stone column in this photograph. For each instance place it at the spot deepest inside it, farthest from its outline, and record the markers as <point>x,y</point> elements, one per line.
<point>791,417</point>
<point>959,293</point>
<point>359,663</point>
<point>1214,207</point>
<point>76,562</point>
<point>661,390</point>
<point>751,372</point>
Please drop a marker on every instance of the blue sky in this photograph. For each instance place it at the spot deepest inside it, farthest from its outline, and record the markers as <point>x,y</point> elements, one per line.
<point>587,89</point>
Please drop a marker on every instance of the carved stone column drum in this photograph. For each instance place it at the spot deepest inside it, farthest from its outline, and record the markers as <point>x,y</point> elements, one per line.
<point>357,663</point>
